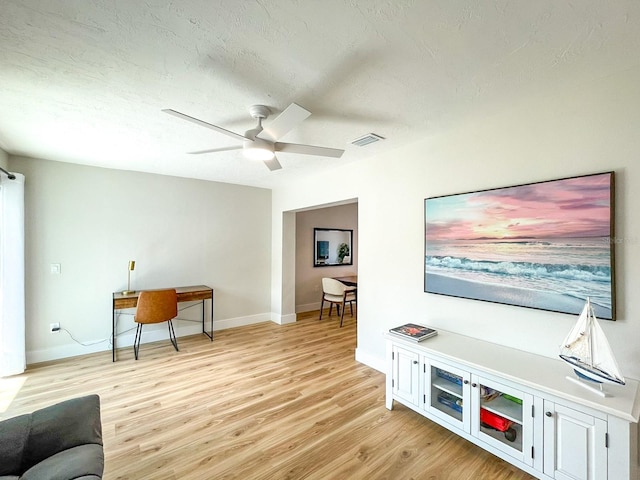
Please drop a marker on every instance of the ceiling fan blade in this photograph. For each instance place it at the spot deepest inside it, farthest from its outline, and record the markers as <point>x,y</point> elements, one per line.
<point>204,124</point>
<point>273,164</point>
<point>308,149</point>
<point>213,150</point>
<point>285,122</point>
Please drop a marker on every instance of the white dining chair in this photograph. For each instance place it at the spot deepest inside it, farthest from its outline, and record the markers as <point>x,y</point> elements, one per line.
<point>338,294</point>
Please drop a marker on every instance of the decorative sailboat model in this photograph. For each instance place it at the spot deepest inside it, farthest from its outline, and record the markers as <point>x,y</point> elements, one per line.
<point>587,350</point>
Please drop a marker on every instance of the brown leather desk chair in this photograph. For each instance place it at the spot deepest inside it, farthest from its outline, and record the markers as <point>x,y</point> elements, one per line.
<point>156,306</point>
<point>337,293</point>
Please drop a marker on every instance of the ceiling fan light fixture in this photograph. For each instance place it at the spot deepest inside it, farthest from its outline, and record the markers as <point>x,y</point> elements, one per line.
<point>258,153</point>
<point>258,149</point>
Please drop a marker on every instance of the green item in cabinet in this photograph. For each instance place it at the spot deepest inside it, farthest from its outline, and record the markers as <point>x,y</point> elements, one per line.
<point>513,399</point>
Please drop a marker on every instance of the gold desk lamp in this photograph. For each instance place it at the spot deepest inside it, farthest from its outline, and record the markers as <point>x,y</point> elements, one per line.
<point>132,266</point>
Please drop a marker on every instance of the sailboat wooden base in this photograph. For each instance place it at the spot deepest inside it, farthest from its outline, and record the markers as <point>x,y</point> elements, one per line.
<point>592,388</point>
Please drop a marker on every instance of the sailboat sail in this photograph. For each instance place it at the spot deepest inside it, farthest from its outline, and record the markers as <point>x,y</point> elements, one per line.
<point>586,348</point>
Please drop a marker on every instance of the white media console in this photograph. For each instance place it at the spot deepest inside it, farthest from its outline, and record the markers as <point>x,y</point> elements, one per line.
<point>518,405</point>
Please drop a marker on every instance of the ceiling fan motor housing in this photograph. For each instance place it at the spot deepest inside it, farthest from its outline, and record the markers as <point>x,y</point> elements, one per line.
<point>256,148</point>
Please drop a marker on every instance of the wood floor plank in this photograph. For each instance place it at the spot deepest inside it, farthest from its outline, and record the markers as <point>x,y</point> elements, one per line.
<point>264,401</point>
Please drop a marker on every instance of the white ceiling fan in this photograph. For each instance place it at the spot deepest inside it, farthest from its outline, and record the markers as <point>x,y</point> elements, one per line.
<point>261,143</point>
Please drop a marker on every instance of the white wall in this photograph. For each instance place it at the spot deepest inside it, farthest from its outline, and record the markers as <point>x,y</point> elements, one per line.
<point>4,159</point>
<point>585,126</point>
<point>179,231</point>
<point>308,277</point>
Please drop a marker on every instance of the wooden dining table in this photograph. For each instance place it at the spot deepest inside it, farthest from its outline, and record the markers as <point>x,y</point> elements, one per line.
<point>349,280</point>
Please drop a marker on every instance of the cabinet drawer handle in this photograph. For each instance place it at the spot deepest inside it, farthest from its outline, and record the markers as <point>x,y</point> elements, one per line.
<point>466,382</point>
<point>548,414</point>
<point>474,385</point>
<point>415,362</point>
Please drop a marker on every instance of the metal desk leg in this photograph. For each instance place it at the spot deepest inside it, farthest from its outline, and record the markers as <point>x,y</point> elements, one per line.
<point>212,293</point>
<point>113,334</point>
<point>204,330</point>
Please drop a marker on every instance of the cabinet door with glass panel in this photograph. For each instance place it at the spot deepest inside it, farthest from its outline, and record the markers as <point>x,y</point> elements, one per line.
<point>447,393</point>
<point>503,418</point>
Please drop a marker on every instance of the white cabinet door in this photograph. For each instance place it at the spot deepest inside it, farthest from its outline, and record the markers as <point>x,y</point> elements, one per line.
<point>447,393</point>
<point>574,444</point>
<point>502,417</point>
<point>405,375</point>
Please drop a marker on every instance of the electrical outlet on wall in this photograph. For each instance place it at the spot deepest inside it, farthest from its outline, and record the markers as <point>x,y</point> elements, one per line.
<point>54,327</point>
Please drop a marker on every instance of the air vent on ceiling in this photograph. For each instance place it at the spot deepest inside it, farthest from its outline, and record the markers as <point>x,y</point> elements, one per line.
<point>367,139</point>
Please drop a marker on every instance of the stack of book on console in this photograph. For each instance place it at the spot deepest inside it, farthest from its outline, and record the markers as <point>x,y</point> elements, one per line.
<point>414,332</point>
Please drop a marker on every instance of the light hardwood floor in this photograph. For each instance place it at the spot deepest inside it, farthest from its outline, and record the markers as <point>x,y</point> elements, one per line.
<point>260,402</point>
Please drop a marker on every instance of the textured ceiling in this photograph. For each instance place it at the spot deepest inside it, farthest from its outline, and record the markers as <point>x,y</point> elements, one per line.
<point>84,81</point>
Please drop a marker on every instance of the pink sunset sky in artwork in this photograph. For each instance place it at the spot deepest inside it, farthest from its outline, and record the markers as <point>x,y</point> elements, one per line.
<point>575,207</point>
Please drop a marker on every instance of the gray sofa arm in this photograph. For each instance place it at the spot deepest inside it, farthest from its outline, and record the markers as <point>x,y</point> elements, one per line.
<point>14,434</point>
<point>70,431</point>
<point>63,426</point>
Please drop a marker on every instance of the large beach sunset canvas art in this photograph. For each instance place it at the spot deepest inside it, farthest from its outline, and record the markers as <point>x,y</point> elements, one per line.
<point>545,245</point>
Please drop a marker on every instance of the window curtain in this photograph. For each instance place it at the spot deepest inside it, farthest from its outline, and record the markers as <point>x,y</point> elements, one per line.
<point>12,303</point>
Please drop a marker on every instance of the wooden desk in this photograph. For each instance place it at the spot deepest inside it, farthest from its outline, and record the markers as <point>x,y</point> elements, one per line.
<point>349,281</point>
<point>197,293</point>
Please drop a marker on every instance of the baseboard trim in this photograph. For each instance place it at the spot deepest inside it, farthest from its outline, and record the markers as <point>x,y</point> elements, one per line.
<point>241,321</point>
<point>369,360</point>
<point>309,307</point>
<point>283,319</point>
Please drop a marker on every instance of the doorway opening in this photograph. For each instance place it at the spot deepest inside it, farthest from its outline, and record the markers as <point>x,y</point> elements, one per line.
<point>341,216</point>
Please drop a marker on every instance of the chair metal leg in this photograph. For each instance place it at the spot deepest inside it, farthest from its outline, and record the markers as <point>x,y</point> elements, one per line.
<point>321,306</point>
<point>172,336</point>
<point>342,316</point>
<point>136,341</point>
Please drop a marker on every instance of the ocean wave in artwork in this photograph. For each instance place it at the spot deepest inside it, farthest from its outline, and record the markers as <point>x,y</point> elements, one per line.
<point>590,273</point>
